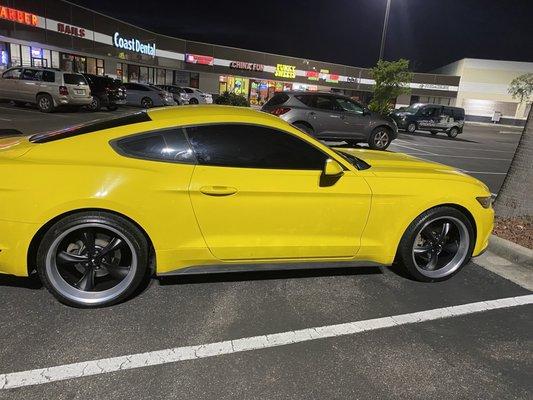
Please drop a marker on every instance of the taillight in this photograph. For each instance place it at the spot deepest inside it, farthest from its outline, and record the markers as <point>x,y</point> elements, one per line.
<point>63,91</point>
<point>280,111</point>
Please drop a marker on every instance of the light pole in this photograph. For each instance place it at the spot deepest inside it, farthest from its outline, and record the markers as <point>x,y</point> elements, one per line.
<point>384,32</point>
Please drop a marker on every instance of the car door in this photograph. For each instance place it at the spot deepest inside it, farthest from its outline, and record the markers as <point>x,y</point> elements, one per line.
<point>29,85</point>
<point>133,95</point>
<point>353,117</point>
<point>9,85</point>
<point>430,117</point>
<point>327,116</point>
<point>257,195</point>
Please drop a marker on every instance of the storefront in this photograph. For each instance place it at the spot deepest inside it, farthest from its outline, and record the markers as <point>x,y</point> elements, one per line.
<point>59,34</point>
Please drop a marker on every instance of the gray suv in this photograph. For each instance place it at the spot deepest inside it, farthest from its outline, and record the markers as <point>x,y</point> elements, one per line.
<point>48,88</point>
<point>329,116</point>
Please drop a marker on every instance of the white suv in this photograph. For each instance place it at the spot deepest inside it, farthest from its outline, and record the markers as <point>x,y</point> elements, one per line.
<point>47,87</point>
<point>196,96</point>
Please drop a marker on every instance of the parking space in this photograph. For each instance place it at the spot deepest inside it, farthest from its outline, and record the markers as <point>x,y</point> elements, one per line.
<point>483,353</point>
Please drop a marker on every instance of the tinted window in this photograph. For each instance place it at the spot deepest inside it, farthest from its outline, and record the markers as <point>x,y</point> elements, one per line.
<point>278,99</point>
<point>459,113</point>
<point>306,99</point>
<point>136,86</point>
<point>350,106</point>
<point>74,79</point>
<point>29,75</point>
<point>431,111</point>
<point>12,73</point>
<point>90,127</point>
<point>46,76</point>
<point>170,145</point>
<point>447,111</point>
<point>326,103</point>
<point>250,146</point>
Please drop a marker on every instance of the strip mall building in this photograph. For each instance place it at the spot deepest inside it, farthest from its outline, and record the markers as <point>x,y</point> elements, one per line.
<point>58,34</point>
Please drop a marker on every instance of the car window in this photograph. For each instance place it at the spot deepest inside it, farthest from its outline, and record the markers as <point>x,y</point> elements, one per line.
<point>277,99</point>
<point>350,106</point>
<point>306,99</point>
<point>29,75</point>
<point>431,111</point>
<point>45,76</point>
<point>326,103</point>
<point>187,90</point>
<point>169,145</point>
<point>448,112</point>
<point>12,73</point>
<point>252,146</point>
<point>458,113</point>
<point>74,79</point>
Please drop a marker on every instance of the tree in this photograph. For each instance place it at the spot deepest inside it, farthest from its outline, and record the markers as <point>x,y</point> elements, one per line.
<point>515,197</point>
<point>521,87</point>
<point>392,79</point>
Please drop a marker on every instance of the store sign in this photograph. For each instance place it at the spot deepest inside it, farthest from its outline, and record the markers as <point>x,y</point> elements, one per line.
<point>199,59</point>
<point>429,86</point>
<point>70,30</point>
<point>3,57</point>
<point>134,45</point>
<point>36,52</point>
<point>22,17</point>
<point>351,79</point>
<point>312,75</point>
<point>285,71</point>
<point>247,66</point>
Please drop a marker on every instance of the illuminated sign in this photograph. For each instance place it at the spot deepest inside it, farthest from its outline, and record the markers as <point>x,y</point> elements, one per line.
<point>134,45</point>
<point>3,57</point>
<point>326,76</point>
<point>247,66</point>
<point>351,79</point>
<point>22,17</point>
<point>285,71</point>
<point>71,30</point>
<point>36,52</point>
<point>199,59</point>
<point>312,75</point>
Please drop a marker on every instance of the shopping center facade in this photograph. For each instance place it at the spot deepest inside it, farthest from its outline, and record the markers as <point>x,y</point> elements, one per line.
<point>59,34</point>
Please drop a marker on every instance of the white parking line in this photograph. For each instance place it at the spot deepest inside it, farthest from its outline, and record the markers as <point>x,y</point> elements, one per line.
<point>5,119</point>
<point>454,148</point>
<point>160,357</point>
<point>412,148</point>
<point>484,172</point>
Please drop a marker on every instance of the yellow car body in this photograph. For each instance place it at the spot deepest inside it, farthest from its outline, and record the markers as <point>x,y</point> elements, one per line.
<point>273,216</point>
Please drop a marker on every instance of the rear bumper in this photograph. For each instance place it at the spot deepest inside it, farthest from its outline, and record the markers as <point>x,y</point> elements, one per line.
<point>15,238</point>
<point>73,101</point>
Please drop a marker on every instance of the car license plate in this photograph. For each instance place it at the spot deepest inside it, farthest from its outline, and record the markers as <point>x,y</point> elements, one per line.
<point>79,91</point>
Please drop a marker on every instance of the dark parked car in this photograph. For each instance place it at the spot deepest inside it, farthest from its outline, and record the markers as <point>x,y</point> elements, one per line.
<point>106,92</point>
<point>431,117</point>
<point>330,116</point>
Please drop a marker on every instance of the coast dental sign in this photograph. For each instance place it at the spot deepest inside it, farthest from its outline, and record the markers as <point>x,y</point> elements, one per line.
<point>133,45</point>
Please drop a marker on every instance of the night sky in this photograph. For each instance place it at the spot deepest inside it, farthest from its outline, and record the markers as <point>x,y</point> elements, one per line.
<point>430,33</point>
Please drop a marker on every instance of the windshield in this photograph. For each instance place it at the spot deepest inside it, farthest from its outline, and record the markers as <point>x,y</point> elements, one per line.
<point>413,108</point>
<point>356,162</point>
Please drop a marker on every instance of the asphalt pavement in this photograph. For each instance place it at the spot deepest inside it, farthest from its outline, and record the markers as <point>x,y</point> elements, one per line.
<point>477,355</point>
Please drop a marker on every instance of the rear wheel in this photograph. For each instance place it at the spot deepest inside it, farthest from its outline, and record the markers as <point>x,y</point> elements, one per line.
<point>193,101</point>
<point>92,259</point>
<point>411,127</point>
<point>379,139</point>
<point>147,102</point>
<point>45,103</point>
<point>437,244</point>
<point>453,132</point>
<point>96,104</point>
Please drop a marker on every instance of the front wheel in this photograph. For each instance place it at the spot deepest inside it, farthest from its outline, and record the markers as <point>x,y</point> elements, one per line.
<point>411,127</point>
<point>437,244</point>
<point>45,103</point>
<point>147,102</point>
<point>379,139</point>
<point>92,259</point>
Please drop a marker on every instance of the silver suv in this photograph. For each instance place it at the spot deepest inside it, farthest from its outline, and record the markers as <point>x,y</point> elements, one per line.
<point>47,87</point>
<point>329,116</point>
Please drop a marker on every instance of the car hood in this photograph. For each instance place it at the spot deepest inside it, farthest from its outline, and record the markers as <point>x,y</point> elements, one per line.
<point>391,164</point>
<point>14,147</point>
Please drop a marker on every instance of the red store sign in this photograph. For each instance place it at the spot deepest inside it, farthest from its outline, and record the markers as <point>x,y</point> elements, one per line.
<point>22,17</point>
<point>70,30</point>
<point>199,59</point>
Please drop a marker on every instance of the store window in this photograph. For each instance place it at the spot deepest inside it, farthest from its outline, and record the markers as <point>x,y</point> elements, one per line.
<point>55,59</point>
<point>91,66</point>
<point>26,57</point>
<point>160,77</point>
<point>133,73</point>
<point>194,80</point>
<point>4,57</point>
<point>233,84</point>
<point>16,59</point>
<point>120,71</point>
<point>100,68</point>
<point>143,75</point>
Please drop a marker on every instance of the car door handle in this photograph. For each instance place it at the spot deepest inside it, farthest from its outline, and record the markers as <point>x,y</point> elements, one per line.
<point>218,190</point>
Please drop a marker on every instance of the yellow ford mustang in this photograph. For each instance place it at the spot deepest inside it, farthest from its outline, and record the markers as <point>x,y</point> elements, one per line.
<point>94,209</point>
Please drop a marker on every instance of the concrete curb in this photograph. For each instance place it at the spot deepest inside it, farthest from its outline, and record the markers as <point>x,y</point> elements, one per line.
<point>511,251</point>
<point>494,125</point>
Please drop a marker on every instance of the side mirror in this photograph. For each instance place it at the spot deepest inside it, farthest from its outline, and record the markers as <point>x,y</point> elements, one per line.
<point>332,169</point>
<point>366,111</point>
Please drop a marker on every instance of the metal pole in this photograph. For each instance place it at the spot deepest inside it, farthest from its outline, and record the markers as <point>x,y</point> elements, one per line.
<point>384,32</point>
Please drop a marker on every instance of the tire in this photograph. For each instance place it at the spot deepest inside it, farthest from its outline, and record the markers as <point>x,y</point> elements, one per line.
<point>304,127</point>
<point>45,103</point>
<point>453,132</point>
<point>428,255</point>
<point>95,105</point>
<point>147,102</point>
<point>411,127</point>
<point>118,265</point>
<point>112,107</point>
<point>193,101</point>
<point>380,138</point>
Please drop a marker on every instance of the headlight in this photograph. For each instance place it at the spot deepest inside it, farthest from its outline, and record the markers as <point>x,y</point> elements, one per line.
<point>485,201</point>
